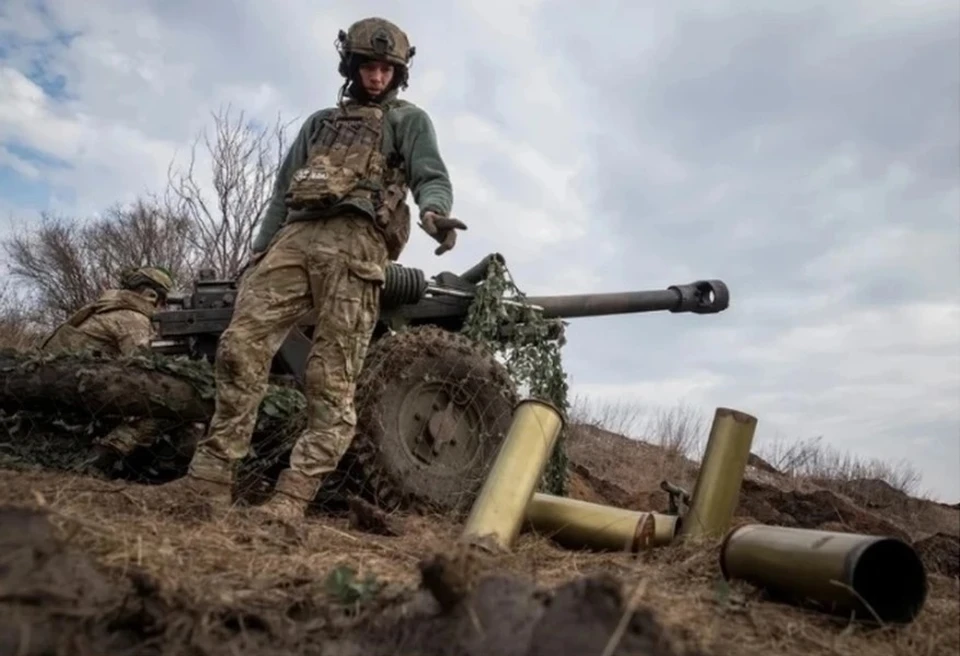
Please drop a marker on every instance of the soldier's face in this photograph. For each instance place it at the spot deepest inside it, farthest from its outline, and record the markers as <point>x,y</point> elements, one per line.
<point>375,76</point>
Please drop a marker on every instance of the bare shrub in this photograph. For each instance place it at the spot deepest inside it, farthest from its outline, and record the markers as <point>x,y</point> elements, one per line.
<point>617,416</point>
<point>830,467</point>
<point>68,262</point>
<point>146,232</point>
<point>678,430</point>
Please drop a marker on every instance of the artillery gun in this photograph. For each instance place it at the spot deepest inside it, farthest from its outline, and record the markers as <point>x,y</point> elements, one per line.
<point>432,407</point>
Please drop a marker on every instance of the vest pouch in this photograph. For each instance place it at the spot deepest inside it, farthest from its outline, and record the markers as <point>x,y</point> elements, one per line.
<point>393,219</point>
<point>320,185</point>
<point>342,162</point>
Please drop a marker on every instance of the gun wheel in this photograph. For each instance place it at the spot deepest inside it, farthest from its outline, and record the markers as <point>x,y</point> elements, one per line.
<point>432,410</point>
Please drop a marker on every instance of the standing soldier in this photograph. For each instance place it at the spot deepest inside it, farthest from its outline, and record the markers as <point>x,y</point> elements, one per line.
<point>117,324</point>
<point>337,216</point>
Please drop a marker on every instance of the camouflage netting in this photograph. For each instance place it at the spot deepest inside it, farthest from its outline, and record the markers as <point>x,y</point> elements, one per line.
<point>54,407</point>
<point>531,352</point>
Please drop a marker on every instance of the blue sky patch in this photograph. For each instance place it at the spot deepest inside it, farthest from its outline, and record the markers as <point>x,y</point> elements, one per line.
<point>35,157</point>
<point>21,191</point>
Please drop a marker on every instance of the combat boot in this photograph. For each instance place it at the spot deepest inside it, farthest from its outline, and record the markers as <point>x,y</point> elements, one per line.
<point>293,494</point>
<point>209,481</point>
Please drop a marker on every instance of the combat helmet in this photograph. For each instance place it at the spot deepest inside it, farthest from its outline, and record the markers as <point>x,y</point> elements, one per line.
<point>155,278</point>
<point>375,39</point>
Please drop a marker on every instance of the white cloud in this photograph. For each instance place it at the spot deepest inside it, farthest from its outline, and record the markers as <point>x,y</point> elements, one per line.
<point>694,388</point>
<point>604,148</point>
<point>24,168</point>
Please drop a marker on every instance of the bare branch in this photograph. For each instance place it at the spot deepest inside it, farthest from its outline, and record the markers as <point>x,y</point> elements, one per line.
<point>244,158</point>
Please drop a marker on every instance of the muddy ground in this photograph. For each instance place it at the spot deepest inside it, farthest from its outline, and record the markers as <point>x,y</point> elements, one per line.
<point>97,567</point>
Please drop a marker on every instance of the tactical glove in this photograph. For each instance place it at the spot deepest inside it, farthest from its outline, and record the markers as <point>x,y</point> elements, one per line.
<point>442,229</point>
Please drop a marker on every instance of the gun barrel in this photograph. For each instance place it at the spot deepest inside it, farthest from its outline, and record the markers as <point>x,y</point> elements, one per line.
<point>700,297</point>
<point>169,347</point>
<point>478,271</point>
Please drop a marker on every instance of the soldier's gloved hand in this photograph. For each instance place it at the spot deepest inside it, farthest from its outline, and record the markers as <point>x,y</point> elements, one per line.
<point>443,229</point>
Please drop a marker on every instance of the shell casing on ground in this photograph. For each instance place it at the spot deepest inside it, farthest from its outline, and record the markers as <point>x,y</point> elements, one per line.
<point>578,524</point>
<point>724,462</point>
<point>497,513</point>
<point>872,577</point>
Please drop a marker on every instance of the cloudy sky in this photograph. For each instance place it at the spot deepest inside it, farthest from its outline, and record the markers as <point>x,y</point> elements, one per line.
<point>808,155</point>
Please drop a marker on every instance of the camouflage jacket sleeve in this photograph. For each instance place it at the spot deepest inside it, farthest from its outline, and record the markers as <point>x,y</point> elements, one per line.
<point>276,212</point>
<point>416,141</point>
<point>129,330</point>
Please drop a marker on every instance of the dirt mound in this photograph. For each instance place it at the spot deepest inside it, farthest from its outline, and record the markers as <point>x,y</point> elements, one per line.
<point>56,600</point>
<point>632,464</point>
<point>613,469</point>
<point>237,585</point>
<point>610,468</point>
<point>816,509</point>
<point>940,553</point>
<point>872,493</point>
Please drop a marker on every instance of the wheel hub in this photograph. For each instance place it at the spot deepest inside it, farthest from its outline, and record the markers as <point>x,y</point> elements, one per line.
<point>437,427</point>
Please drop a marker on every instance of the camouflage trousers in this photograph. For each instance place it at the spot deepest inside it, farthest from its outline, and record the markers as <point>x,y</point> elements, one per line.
<point>337,267</point>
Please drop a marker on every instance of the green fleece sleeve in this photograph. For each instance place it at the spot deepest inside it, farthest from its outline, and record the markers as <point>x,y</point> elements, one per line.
<point>276,212</point>
<point>427,174</point>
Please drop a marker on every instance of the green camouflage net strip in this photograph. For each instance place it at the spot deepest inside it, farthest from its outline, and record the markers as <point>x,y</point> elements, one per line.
<point>59,437</point>
<point>530,348</point>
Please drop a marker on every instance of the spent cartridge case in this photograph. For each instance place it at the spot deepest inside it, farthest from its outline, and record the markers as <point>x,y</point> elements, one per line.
<point>498,511</point>
<point>580,524</point>
<point>867,576</point>
<point>717,490</point>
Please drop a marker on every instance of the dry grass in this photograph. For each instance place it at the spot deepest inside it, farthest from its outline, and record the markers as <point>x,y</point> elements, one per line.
<point>813,460</point>
<point>239,561</point>
<point>680,433</point>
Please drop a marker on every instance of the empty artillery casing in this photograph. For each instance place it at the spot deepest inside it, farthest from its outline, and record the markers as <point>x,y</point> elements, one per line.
<point>580,524</point>
<point>717,491</point>
<point>843,573</point>
<point>498,511</point>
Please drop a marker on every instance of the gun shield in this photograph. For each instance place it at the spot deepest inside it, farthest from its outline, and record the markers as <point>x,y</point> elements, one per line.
<point>580,524</point>
<point>717,491</point>
<point>871,577</point>
<point>498,512</point>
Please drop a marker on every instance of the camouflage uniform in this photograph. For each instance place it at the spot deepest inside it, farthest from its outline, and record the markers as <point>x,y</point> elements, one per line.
<point>337,216</point>
<point>117,324</point>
